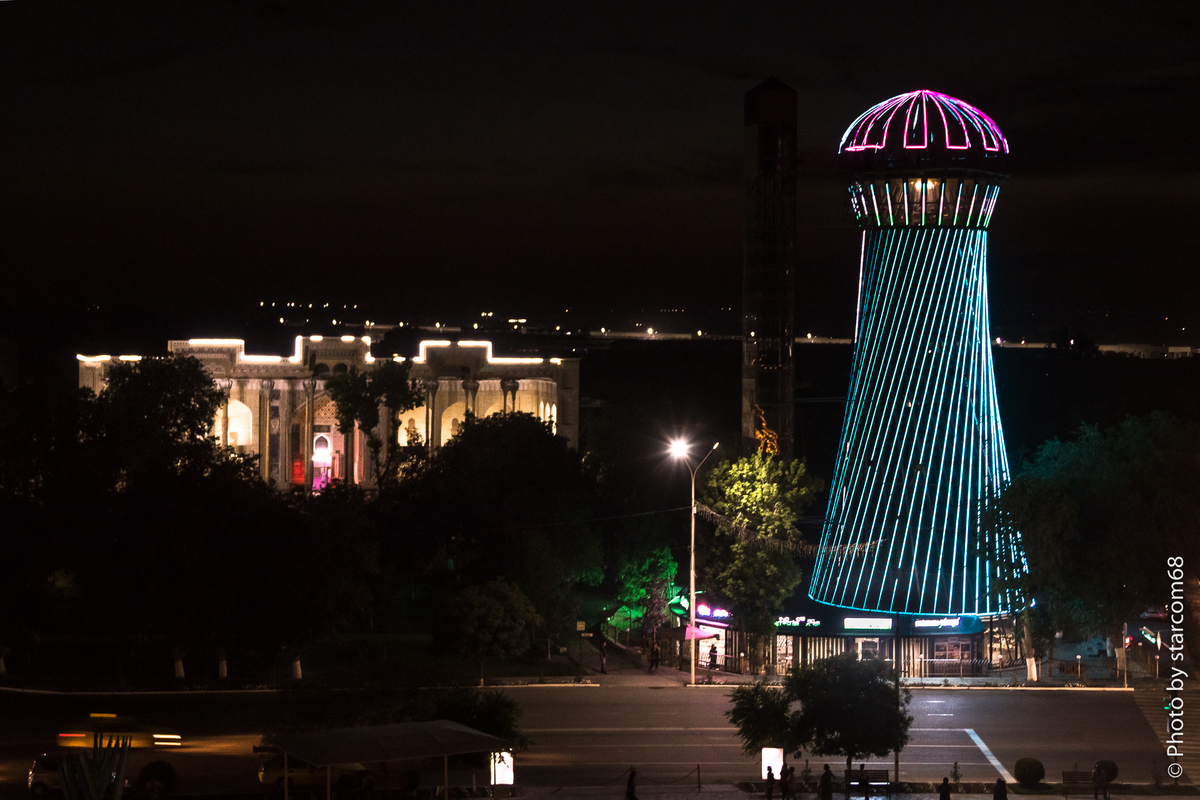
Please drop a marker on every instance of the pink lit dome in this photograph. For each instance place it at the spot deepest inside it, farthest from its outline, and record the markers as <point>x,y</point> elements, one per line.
<point>923,130</point>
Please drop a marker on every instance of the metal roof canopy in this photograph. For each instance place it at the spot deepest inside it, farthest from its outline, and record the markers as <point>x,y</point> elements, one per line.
<point>377,743</point>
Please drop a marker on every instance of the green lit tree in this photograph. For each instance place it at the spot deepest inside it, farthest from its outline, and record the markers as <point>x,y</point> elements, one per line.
<point>644,583</point>
<point>750,561</point>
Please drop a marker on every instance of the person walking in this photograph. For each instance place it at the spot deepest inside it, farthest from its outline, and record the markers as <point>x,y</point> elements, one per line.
<point>863,785</point>
<point>944,790</point>
<point>789,784</point>
<point>604,657</point>
<point>655,654</point>
<point>1099,783</point>
<point>770,784</point>
<point>712,657</point>
<point>825,785</point>
<point>1001,790</point>
<point>631,785</point>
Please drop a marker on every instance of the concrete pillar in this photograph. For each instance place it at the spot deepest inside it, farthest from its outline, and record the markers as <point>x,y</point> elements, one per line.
<point>310,413</point>
<point>433,432</point>
<point>227,388</point>
<point>471,389</point>
<point>510,386</point>
<point>263,425</point>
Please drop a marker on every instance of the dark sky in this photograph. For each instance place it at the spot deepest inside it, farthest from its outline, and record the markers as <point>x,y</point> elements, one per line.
<point>446,158</point>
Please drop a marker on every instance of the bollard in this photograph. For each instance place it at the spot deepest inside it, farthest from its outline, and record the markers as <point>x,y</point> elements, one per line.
<point>697,777</point>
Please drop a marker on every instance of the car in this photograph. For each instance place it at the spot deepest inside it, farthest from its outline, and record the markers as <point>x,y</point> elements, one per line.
<point>301,773</point>
<point>1155,612</point>
<point>43,776</point>
<point>110,726</point>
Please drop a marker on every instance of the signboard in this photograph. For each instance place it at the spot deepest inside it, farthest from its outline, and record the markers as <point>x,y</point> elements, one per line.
<point>867,624</point>
<point>501,768</point>
<point>772,757</point>
<point>941,623</point>
<point>580,625</point>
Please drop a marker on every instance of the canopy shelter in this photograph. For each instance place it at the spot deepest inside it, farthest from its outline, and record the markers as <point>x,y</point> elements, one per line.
<point>686,632</point>
<point>379,743</point>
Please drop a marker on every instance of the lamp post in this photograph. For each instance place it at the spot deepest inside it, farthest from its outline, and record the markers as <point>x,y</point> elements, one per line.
<point>679,451</point>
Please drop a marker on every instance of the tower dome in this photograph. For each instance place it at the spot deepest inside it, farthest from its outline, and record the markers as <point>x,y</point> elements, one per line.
<point>923,130</point>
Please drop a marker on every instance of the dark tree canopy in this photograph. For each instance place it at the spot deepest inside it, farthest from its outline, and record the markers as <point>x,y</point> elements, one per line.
<point>492,621</point>
<point>505,498</point>
<point>846,707</point>
<point>357,397</point>
<point>1100,513</point>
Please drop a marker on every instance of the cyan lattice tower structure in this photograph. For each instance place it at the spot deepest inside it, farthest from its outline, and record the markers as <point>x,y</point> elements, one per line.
<point>922,448</point>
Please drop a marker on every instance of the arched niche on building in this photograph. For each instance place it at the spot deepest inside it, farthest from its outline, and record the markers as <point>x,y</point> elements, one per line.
<point>452,419</point>
<point>241,425</point>
<point>410,427</point>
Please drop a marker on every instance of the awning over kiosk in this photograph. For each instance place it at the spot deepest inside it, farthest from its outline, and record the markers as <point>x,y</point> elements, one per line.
<point>376,743</point>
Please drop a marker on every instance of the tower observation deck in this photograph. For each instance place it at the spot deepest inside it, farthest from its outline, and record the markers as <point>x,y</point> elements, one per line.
<point>922,449</point>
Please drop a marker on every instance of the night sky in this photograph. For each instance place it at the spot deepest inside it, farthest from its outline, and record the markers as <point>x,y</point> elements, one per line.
<point>445,159</point>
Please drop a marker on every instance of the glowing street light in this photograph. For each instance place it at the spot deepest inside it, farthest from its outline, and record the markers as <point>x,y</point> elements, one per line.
<point>679,450</point>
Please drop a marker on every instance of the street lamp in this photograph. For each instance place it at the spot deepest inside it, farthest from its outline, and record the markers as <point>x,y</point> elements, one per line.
<point>679,451</point>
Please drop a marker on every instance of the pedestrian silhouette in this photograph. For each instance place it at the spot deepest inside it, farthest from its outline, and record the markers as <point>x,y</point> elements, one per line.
<point>944,790</point>
<point>770,784</point>
<point>603,657</point>
<point>1001,790</point>
<point>631,785</point>
<point>825,785</point>
<point>1099,783</point>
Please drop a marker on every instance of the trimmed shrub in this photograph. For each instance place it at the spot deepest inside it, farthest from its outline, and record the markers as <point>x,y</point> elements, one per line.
<point>1029,772</point>
<point>1109,768</point>
<point>159,771</point>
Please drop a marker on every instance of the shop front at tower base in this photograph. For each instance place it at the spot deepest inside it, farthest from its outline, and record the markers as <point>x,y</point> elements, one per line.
<point>925,646</point>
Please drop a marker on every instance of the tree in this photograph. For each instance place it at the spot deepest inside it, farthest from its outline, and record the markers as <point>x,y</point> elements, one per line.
<point>847,708</point>
<point>495,620</point>
<point>763,716</point>
<point>357,397</point>
<point>1099,515</point>
<point>749,562</point>
<point>504,499</point>
<point>644,584</point>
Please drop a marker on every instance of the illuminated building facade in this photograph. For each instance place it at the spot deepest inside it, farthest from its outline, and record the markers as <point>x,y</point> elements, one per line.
<point>279,410</point>
<point>922,447</point>
<point>768,275</point>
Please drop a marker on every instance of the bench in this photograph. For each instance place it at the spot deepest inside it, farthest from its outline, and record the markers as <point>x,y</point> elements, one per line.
<point>877,780</point>
<point>1079,782</point>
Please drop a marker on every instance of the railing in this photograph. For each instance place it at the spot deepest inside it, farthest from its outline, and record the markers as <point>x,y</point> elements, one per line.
<point>952,668</point>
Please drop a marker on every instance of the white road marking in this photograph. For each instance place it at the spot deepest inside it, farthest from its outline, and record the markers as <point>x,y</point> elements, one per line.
<point>988,753</point>
<point>622,730</point>
<point>939,715</point>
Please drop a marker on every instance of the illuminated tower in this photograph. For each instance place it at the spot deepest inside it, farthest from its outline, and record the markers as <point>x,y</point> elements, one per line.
<point>921,447</point>
<point>769,270</point>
